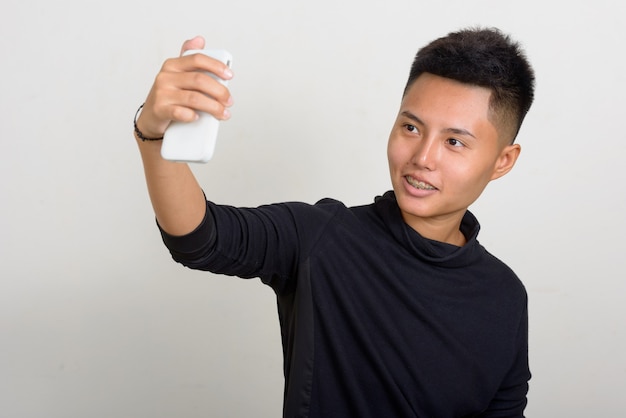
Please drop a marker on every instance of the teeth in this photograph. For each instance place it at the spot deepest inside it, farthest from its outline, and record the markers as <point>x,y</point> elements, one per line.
<point>419,184</point>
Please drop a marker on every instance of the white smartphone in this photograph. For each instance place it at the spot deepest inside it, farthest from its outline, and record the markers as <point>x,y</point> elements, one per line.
<point>194,142</point>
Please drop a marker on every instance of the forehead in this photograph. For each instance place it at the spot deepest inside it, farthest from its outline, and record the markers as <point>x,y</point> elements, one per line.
<point>432,91</point>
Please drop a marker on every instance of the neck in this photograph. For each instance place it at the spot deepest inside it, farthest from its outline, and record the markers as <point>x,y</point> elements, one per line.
<point>447,230</point>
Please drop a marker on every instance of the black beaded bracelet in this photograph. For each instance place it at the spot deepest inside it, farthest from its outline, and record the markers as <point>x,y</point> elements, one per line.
<point>139,134</point>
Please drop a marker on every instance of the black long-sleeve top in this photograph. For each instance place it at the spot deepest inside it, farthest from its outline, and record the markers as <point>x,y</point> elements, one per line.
<point>376,320</point>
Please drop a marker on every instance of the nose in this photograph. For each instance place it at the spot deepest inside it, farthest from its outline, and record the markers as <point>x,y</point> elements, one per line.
<point>426,154</point>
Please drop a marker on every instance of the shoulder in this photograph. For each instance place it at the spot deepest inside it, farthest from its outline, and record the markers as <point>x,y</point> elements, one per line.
<point>328,208</point>
<point>504,280</point>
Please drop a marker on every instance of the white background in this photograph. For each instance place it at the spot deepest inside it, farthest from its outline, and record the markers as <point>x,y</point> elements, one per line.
<point>97,321</point>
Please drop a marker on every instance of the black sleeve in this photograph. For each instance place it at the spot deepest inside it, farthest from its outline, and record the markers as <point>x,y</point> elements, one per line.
<point>267,242</point>
<point>511,397</point>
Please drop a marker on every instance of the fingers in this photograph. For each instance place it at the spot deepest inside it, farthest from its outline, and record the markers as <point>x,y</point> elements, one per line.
<point>182,88</point>
<point>195,90</point>
<point>191,72</point>
<point>194,43</point>
<point>197,102</point>
<point>201,62</point>
<point>198,62</point>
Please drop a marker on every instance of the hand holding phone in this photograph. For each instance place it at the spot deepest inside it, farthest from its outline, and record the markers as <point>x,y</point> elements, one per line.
<point>195,141</point>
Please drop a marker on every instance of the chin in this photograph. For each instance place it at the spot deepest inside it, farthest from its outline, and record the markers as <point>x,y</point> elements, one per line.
<point>409,206</point>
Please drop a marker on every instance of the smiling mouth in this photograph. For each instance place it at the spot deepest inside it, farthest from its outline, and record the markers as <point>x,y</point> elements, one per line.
<point>419,184</point>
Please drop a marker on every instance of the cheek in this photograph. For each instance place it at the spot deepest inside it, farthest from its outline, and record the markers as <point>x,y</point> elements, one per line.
<point>395,154</point>
<point>469,180</point>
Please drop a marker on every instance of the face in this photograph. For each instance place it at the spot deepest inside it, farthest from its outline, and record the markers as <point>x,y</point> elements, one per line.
<point>443,151</point>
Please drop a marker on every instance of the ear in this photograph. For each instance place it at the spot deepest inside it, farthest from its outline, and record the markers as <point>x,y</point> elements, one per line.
<point>506,160</point>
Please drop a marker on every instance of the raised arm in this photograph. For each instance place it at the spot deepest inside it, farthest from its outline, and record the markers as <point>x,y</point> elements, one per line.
<point>179,90</point>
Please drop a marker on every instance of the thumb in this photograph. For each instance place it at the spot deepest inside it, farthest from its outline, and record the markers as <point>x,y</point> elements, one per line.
<point>194,43</point>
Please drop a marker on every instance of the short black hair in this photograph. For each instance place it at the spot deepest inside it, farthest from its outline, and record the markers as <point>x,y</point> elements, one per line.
<point>487,58</point>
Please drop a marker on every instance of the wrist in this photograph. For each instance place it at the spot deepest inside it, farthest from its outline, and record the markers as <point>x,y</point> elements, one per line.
<point>141,134</point>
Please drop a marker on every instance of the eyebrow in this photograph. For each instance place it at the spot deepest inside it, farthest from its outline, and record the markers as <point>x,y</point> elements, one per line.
<point>456,131</point>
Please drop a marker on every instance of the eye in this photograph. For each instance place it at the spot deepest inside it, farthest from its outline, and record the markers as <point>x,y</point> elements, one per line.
<point>411,128</point>
<point>455,142</point>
